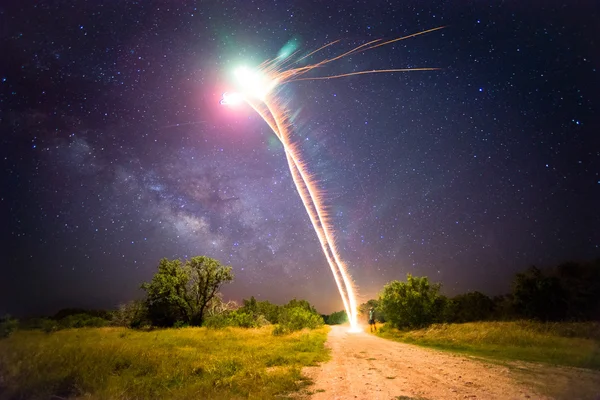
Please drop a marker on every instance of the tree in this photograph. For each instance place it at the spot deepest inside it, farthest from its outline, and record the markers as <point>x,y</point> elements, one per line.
<point>539,296</point>
<point>263,308</point>
<point>206,277</point>
<point>411,303</point>
<point>181,292</point>
<point>581,282</point>
<point>336,318</point>
<point>469,307</point>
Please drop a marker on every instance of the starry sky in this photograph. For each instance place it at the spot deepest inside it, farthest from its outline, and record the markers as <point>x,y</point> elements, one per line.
<point>115,151</point>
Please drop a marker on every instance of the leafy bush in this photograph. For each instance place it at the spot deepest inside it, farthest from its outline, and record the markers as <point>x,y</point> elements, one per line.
<point>280,330</point>
<point>238,318</point>
<point>336,318</point>
<point>296,318</point>
<point>265,308</point>
<point>411,303</point>
<point>82,321</point>
<point>7,326</point>
<point>49,325</point>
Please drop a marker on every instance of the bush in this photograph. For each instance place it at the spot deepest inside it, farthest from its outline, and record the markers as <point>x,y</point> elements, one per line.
<point>7,326</point>
<point>279,330</point>
<point>410,304</point>
<point>336,318</point>
<point>83,321</point>
<point>49,325</point>
<point>131,315</point>
<point>181,324</point>
<point>237,318</point>
<point>297,318</point>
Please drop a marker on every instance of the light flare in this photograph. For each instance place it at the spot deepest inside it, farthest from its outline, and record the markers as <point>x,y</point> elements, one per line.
<point>258,90</point>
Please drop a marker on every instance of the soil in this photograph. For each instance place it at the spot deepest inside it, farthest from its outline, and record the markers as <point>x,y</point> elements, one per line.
<point>364,366</point>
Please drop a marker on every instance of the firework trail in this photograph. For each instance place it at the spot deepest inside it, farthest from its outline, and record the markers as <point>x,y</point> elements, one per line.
<point>258,90</point>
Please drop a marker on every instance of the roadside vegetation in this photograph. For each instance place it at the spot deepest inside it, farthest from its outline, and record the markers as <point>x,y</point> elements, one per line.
<point>187,363</point>
<point>181,341</point>
<point>550,317</point>
<point>558,343</point>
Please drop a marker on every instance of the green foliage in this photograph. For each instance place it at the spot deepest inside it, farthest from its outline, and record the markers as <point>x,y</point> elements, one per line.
<point>265,308</point>
<point>67,312</point>
<point>411,303</point>
<point>7,326</point>
<point>180,324</point>
<point>294,318</point>
<point>336,318</point>
<point>364,308</point>
<point>182,292</point>
<point>468,307</point>
<point>82,321</point>
<point>295,315</point>
<point>49,325</point>
<point>238,318</point>
<point>295,303</point>
<point>192,363</point>
<point>133,314</point>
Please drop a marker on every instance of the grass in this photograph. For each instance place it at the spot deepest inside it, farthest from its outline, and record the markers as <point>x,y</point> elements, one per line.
<point>568,344</point>
<point>117,363</point>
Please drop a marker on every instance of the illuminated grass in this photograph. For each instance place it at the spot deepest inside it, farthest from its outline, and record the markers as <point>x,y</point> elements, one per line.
<point>117,363</point>
<point>570,344</point>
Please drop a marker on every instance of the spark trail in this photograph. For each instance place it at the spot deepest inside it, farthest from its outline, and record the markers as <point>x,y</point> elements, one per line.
<point>258,91</point>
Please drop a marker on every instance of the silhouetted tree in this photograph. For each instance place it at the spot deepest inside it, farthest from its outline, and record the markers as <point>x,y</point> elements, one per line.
<point>581,283</point>
<point>538,296</point>
<point>468,307</point>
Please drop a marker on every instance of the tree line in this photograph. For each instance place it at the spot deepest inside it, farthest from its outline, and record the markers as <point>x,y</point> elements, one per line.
<point>567,292</point>
<point>181,294</point>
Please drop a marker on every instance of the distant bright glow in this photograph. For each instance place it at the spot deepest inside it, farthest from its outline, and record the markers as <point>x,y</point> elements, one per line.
<point>231,99</point>
<point>254,83</point>
<point>355,329</point>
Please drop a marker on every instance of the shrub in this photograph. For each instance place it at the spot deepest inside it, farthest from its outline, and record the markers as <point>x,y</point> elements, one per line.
<point>49,325</point>
<point>238,318</point>
<point>83,321</point>
<point>296,318</point>
<point>279,330</point>
<point>411,303</point>
<point>132,315</point>
<point>339,317</point>
<point>7,326</point>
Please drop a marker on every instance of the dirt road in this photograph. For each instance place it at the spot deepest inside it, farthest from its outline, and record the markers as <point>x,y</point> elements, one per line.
<point>367,367</point>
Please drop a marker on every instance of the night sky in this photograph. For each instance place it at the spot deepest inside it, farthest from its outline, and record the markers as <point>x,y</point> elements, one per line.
<point>115,151</point>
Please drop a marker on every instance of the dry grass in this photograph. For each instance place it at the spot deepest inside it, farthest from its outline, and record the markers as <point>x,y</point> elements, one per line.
<point>117,363</point>
<point>570,344</point>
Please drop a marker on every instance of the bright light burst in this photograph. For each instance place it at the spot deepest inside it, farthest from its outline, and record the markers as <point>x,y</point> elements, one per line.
<point>258,90</point>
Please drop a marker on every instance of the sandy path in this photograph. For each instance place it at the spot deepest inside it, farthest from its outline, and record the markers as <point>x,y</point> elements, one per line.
<point>367,367</point>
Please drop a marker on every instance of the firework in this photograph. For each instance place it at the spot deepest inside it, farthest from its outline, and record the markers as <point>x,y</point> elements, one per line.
<point>259,91</point>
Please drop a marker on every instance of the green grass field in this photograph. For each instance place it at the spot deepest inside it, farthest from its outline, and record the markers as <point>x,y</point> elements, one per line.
<point>570,344</point>
<point>189,363</point>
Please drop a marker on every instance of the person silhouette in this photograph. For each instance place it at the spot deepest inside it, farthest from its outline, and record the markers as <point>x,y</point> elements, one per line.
<point>372,319</point>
